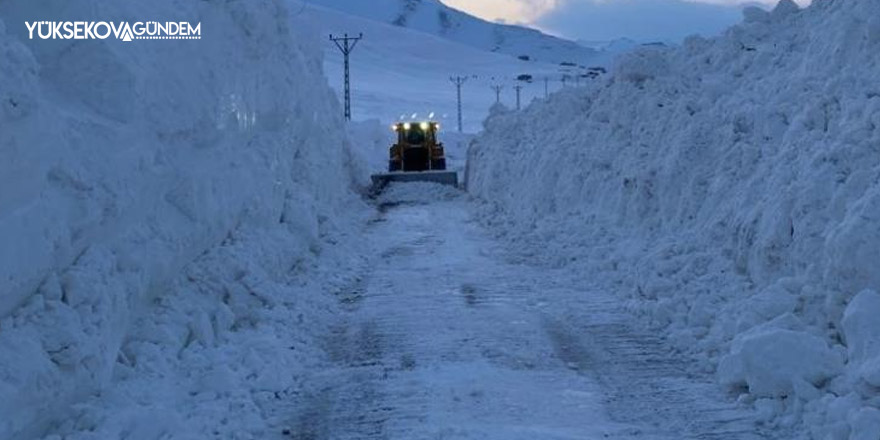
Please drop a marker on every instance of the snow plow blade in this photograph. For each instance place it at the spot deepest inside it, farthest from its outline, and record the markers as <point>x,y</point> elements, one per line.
<point>442,177</point>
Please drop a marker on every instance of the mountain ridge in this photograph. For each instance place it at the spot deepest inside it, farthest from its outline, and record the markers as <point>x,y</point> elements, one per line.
<point>435,17</point>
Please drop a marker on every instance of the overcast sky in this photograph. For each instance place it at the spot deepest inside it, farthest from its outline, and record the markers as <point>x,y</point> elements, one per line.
<point>642,20</point>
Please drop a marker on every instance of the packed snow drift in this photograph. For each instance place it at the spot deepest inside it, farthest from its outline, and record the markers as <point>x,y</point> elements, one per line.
<point>728,189</point>
<point>136,175</point>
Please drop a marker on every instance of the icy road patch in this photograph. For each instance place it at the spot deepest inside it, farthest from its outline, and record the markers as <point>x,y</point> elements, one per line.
<point>445,337</point>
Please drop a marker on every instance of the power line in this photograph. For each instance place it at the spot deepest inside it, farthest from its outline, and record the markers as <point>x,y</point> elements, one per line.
<point>346,45</point>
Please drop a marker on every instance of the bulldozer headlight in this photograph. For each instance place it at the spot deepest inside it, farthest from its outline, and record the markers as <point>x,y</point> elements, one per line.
<point>424,125</point>
<point>394,127</point>
<point>407,126</point>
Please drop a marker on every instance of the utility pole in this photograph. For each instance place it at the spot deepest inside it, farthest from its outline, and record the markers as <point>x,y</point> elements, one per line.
<point>497,89</point>
<point>518,90</point>
<point>546,87</point>
<point>459,81</point>
<point>346,44</point>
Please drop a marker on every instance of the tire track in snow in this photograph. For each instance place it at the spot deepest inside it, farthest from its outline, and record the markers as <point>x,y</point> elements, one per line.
<point>647,384</point>
<point>346,401</point>
<point>447,340</point>
<point>438,348</point>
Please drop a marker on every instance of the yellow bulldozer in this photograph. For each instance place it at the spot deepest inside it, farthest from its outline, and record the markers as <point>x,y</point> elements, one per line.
<point>417,156</point>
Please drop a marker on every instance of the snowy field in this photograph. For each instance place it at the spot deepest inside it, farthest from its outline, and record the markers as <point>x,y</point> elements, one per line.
<point>433,17</point>
<point>400,72</point>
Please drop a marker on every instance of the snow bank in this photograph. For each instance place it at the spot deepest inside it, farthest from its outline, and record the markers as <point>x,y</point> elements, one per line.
<point>779,363</point>
<point>861,327</point>
<point>125,162</point>
<point>372,141</point>
<point>729,189</point>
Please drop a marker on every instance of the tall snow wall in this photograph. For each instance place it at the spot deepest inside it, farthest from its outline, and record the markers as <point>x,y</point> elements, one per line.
<point>124,161</point>
<point>729,189</point>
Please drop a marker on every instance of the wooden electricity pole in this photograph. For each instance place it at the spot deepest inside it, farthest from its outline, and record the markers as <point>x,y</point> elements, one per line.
<point>518,92</point>
<point>497,89</point>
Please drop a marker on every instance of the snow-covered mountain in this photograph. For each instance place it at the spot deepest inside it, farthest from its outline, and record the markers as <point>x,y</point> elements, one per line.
<point>617,45</point>
<point>387,82</point>
<point>398,70</point>
<point>433,17</point>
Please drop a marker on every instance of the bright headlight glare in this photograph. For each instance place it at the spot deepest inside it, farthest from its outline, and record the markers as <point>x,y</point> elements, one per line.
<point>407,126</point>
<point>424,125</point>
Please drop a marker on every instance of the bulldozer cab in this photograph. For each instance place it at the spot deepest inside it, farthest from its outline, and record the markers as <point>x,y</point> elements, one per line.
<point>417,135</point>
<point>417,148</point>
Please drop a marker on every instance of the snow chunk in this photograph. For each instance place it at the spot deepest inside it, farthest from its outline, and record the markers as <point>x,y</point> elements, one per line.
<point>861,327</point>
<point>865,424</point>
<point>770,303</point>
<point>753,14</point>
<point>785,8</point>
<point>641,65</point>
<point>776,362</point>
<point>852,246</point>
<point>870,371</point>
<point>768,409</point>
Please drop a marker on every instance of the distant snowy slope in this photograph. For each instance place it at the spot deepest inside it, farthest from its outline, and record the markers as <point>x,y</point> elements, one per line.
<point>400,71</point>
<point>433,17</point>
<point>615,46</point>
<point>729,191</point>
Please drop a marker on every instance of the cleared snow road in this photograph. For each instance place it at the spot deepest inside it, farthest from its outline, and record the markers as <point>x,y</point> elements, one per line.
<point>446,339</point>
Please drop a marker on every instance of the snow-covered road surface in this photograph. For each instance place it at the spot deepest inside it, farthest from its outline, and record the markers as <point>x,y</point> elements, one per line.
<point>445,337</point>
